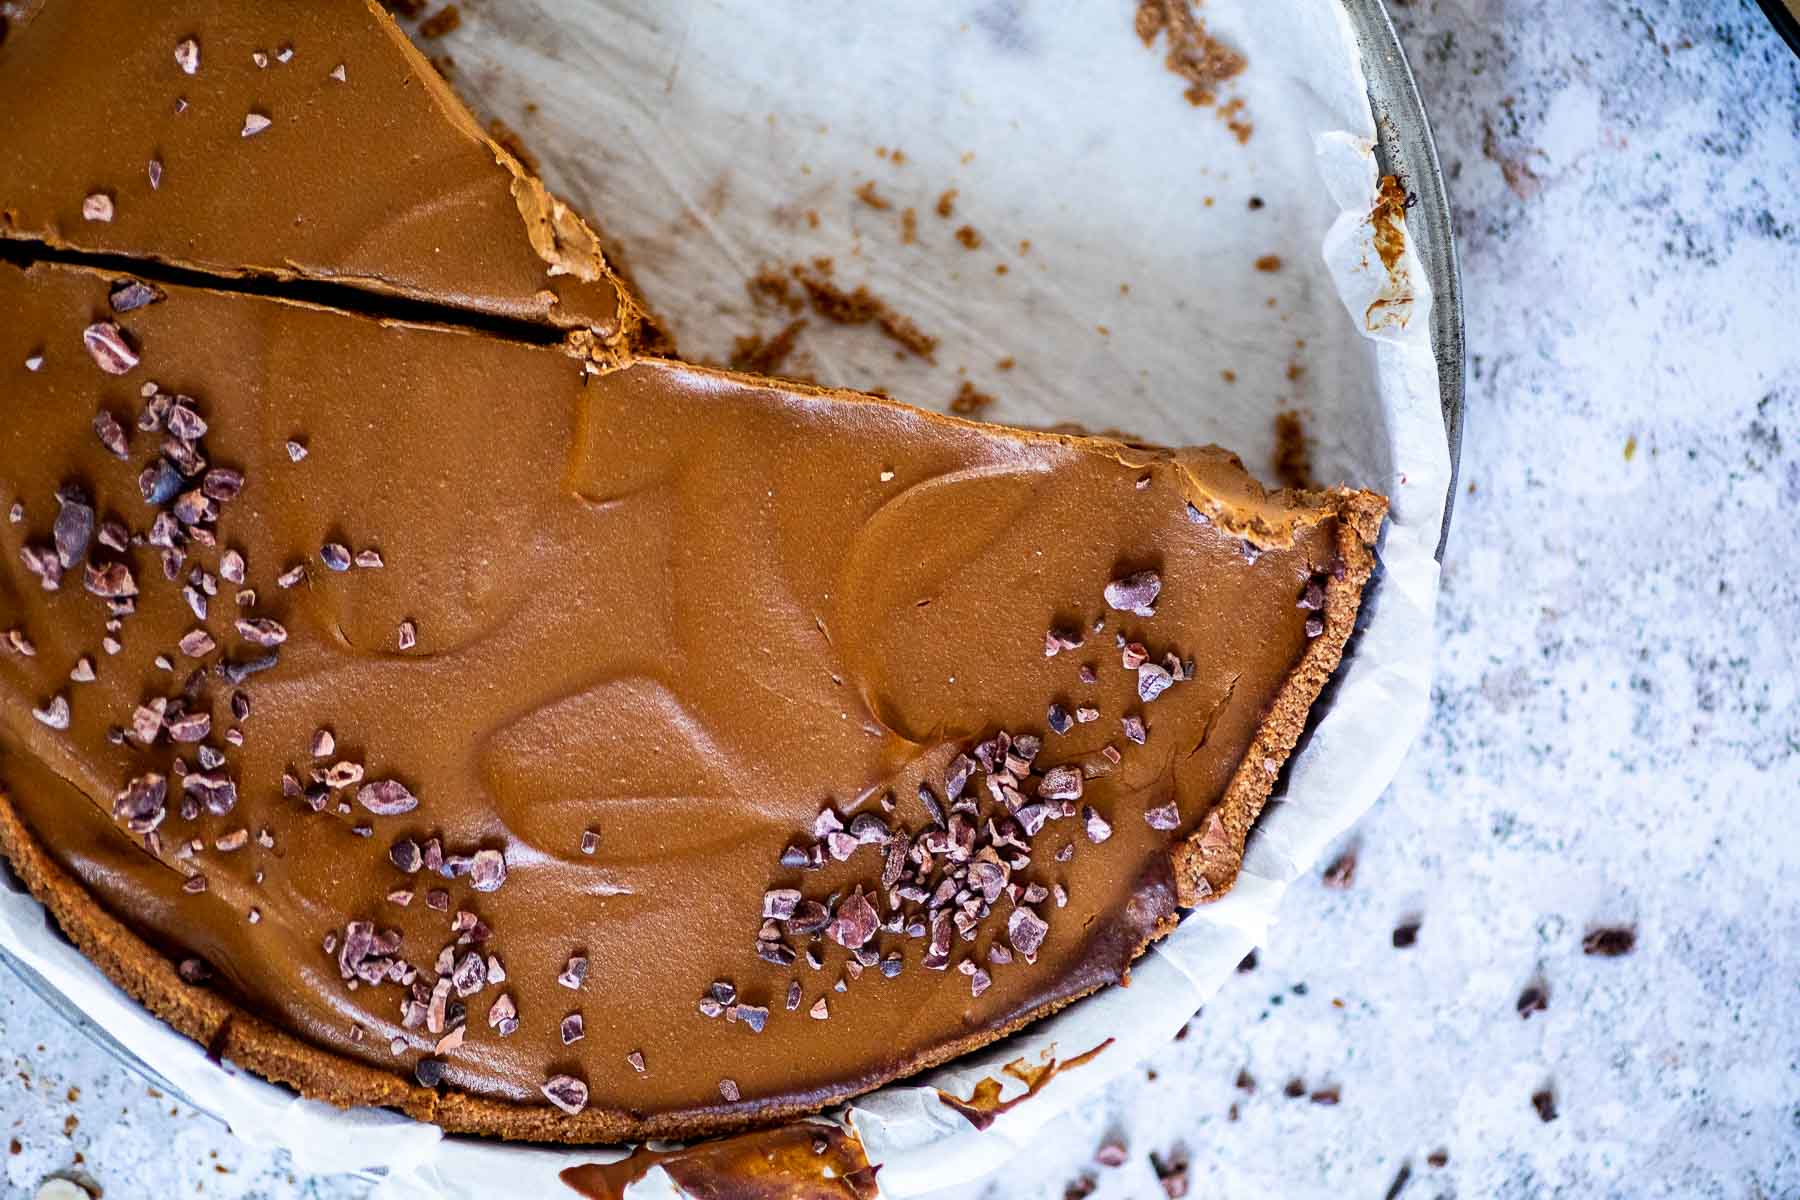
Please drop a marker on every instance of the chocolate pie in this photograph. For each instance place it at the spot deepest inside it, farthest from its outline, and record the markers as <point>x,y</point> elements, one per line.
<point>419,695</point>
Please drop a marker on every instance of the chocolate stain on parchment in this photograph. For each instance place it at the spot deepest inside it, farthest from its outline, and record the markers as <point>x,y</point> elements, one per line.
<point>985,1106</point>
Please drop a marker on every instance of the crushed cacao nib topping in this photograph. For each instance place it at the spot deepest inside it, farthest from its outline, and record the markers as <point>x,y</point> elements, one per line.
<point>1163,816</point>
<point>97,206</point>
<point>143,803</point>
<point>571,1029</point>
<point>335,556</point>
<point>753,1016</point>
<point>590,841</point>
<point>487,870</point>
<point>386,798</point>
<point>1135,593</point>
<point>728,1088</point>
<point>74,527</point>
<point>255,123</point>
<point>1153,680</point>
<point>575,973</point>
<point>42,562</point>
<point>636,1059</point>
<point>55,714</point>
<point>129,294</point>
<point>109,582</point>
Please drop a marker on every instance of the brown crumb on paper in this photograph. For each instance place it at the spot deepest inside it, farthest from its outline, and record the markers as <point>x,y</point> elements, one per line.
<point>1194,55</point>
<point>969,237</point>
<point>909,226</point>
<point>946,204</point>
<point>444,20</point>
<point>860,307</point>
<point>1293,458</point>
<point>868,195</point>
<point>765,356</point>
<point>509,140</point>
<point>770,286</point>
<point>969,401</point>
<point>1269,262</point>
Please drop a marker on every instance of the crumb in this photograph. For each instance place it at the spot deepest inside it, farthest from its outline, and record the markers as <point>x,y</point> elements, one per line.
<point>1124,289</point>
<point>1025,246</point>
<point>970,402</point>
<point>444,65</point>
<point>772,286</point>
<point>1293,459</point>
<point>1228,376</point>
<point>1103,331</point>
<point>1232,114</point>
<point>1630,447</point>
<point>1294,372</point>
<point>1609,943</point>
<point>909,226</point>
<point>812,218</point>
<point>1256,203</point>
<point>1194,55</point>
<point>946,204</point>
<point>860,307</point>
<point>970,239</point>
<point>406,8</point>
<point>898,157</point>
<point>444,20</point>
<point>1000,268</point>
<point>1545,1103</point>
<point>869,196</point>
<point>758,356</point>
<point>1006,364</point>
<point>509,141</point>
<point>1247,963</point>
<point>1342,871</point>
<point>1269,262</point>
<point>1438,1158</point>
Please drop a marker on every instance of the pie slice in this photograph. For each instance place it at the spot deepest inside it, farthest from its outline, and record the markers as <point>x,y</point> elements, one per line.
<point>284,141</point>
<point>430,719</point>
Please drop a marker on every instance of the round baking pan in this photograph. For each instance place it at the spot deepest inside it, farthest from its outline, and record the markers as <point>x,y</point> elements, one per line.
<point>1405,150</point>
<point>1786,19</point>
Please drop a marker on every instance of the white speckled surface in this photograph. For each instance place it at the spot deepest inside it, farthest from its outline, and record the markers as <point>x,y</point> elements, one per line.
<point>1616,737</point>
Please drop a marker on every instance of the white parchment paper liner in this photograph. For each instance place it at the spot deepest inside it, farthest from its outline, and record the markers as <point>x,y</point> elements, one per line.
<point>702,132</point>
